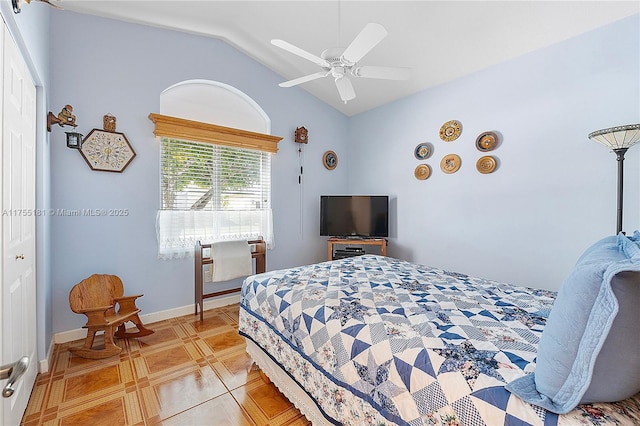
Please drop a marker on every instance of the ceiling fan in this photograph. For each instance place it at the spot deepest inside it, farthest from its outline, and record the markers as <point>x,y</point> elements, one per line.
<point>342,64</point>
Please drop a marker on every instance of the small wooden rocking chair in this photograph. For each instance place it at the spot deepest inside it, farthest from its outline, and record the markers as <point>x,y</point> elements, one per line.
<point>96,297</point>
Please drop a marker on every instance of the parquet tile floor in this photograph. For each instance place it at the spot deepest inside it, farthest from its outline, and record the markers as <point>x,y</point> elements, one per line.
<point>187,373</point>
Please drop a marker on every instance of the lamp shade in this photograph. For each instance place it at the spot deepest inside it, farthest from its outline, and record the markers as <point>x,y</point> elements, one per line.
<point>621,137</point>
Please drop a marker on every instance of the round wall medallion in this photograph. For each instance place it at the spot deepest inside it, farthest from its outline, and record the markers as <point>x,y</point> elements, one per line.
<point>423,151</point>
<point>486,164</point>
<point>450,131</point>
<point>450,163</point>
<point>422,172</point>
<point>330,160</point>
<point>487,141</point>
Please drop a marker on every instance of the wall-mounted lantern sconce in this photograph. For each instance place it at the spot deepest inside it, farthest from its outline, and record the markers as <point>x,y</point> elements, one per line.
<point>66,118</point>
<point>74,140</point>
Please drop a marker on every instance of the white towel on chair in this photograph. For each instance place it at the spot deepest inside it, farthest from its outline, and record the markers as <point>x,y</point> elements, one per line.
<point>231,259</point>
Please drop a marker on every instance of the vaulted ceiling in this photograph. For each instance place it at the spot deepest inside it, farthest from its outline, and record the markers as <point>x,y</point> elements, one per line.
<point>439,40</point>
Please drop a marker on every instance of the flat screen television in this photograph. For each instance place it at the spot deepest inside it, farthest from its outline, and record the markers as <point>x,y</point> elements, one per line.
<point>365,216</point>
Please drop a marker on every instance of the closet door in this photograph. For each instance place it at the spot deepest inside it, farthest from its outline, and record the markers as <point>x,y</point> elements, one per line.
<point>18,278</point>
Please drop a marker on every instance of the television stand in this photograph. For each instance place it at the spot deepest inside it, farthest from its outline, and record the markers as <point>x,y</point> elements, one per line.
<point>339,248</point>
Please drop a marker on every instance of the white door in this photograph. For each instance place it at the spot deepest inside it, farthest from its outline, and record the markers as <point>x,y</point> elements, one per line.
<point>18,278</point>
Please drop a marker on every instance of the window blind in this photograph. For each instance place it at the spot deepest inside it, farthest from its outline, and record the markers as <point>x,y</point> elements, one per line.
<point>210,193</point>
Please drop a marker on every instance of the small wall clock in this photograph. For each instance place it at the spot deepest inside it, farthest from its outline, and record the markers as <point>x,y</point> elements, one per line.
<point>330,160</point>
<point>301,135</point>
<point>107,151</point>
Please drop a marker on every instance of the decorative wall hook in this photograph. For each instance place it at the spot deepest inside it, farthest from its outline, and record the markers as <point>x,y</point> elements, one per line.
<point>16,4</point>
<point>64,118</point>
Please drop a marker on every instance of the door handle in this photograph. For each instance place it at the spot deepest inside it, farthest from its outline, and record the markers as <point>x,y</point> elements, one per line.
<point>13,373</point>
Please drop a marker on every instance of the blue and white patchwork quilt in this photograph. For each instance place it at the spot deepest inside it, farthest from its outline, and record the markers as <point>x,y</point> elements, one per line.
<point>375,340</point>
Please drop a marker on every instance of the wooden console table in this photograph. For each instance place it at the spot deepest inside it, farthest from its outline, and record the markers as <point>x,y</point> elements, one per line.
<point>259,254</point>
<point>345,247</point>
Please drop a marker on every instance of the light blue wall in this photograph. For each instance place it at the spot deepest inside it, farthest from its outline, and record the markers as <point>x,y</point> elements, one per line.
<point>121,68</point>
<point>30,30</point>
<point>554,192</point>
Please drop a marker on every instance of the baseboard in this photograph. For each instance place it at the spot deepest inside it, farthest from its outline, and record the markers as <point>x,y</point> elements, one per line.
<point>43,365</point>
<point>81,333</point>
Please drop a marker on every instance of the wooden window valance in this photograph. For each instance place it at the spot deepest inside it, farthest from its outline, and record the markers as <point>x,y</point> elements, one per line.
<point>197,131</point>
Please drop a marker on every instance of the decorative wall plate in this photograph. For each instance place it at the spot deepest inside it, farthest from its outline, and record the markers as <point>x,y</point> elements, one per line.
<point>422,172</point>
<point>423,151</point>
<point>486,164</point>
<point>487,141</point>
<point>107,151</point>
<point>330,160</point>
<point>450,131</point>
<point>450,163</point>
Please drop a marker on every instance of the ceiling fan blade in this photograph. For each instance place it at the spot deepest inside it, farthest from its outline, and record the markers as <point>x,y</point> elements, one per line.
<point>304,79</point>
<point>387,73</point>
<point>345,89</point>
<point>302,53</point>
<point>370,35</point>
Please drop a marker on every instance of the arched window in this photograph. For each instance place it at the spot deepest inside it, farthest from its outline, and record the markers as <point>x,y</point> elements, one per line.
<point>215,180</point>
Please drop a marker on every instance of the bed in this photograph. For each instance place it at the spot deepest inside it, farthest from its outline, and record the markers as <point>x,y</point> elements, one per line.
<point>376,340</point>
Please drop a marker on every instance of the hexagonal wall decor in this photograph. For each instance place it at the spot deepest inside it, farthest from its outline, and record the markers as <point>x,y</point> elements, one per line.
<point>107,151</point>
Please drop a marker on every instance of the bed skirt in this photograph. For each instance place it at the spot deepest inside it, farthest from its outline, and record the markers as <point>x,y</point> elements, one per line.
<point>287,386</point>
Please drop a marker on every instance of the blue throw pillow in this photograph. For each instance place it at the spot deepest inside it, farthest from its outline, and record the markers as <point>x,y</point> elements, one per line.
<point>629,245</point>
<point>589,350</point>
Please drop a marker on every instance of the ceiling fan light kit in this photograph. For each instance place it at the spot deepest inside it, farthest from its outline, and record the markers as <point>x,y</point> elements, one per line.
<point>341,63</point>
